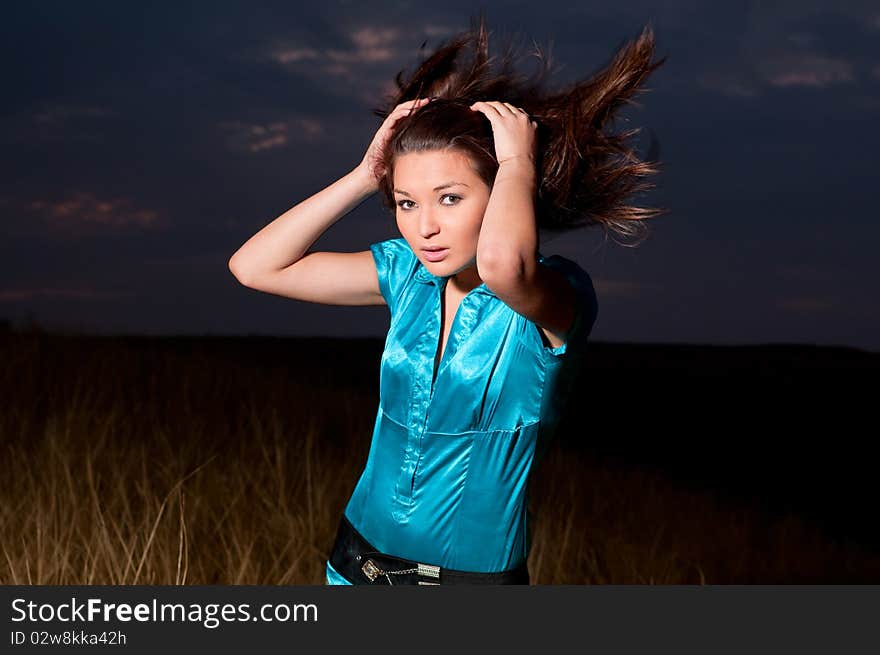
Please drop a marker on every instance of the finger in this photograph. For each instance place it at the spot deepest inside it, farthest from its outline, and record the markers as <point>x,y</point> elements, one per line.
<point>487,108</point>
<point>410,104</point>
<point>513,110</point>
<point>502,108</point>
<point>417,104</point>
<point>407,108</point>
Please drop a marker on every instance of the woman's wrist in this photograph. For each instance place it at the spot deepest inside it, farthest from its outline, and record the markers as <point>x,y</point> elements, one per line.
<point>365,178</point>
<point>517,168</point>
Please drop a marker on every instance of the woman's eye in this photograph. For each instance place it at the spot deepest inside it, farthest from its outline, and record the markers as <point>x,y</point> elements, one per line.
<point>400,203</point>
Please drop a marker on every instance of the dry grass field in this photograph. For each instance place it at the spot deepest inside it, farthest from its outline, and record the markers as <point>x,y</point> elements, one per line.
<point>162,461</point>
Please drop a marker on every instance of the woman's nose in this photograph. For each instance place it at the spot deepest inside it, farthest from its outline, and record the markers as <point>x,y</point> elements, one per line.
<point>427,223</point>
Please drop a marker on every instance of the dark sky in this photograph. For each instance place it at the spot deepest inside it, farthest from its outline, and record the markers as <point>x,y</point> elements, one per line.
<point>143,143</point>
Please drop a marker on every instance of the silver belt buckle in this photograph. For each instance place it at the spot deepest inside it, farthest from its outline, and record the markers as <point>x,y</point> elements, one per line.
<point>371,570</point>
<point>429,571</point>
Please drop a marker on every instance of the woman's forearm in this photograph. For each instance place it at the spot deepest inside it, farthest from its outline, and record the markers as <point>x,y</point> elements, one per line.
<point>287,238</point>
<point>509,235</point>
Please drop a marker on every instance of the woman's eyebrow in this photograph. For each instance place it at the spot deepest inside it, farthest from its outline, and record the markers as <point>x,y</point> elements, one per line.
<point>436,188</point>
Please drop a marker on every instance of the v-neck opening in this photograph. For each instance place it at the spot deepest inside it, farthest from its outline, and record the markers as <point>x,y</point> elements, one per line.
<point>437,364</point>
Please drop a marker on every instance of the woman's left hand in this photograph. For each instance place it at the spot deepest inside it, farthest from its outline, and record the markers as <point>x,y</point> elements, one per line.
<point>512,128</point>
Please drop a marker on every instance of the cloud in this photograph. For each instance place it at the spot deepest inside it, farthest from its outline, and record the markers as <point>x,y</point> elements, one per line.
<point>62,122</point>
<point>61,114</point>
<point>296,54</point>
<point>806,70</point>
<point>83,212</point>
<point>360,58</point>
<point>374,44</point>
<point>730,83</point>
<point>439,30</point>
<point>786,72</point>
<point>368,45</point>
<point>782,70</point>
<point>256,137</point>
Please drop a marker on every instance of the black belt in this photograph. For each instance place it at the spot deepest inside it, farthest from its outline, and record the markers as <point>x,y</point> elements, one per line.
<point>357,561</point>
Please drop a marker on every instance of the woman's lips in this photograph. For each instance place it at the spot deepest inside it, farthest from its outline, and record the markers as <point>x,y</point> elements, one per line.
<point>435,255</point>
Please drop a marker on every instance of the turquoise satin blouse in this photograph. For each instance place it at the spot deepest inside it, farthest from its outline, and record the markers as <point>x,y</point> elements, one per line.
<point>446,478</point>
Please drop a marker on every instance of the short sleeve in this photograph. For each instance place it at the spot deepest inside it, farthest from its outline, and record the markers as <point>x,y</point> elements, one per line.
<point>586,306</point>
<point>395,263</point>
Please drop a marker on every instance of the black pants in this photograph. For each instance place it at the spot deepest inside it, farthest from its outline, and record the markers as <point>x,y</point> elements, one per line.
<point>357,561</point>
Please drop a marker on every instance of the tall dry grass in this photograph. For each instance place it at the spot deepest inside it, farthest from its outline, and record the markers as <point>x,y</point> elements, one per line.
<point>209,462</point>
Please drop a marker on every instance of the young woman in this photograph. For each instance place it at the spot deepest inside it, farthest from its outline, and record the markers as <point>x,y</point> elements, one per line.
<point>473,164</point>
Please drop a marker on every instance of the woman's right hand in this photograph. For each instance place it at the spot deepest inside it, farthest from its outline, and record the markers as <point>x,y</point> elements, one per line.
<point>370,163</point>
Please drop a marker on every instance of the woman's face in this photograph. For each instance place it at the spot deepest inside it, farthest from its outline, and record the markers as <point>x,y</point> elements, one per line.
<point>440,202</point>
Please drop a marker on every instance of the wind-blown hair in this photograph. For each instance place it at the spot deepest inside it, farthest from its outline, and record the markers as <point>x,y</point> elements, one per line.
<point>585,174</point>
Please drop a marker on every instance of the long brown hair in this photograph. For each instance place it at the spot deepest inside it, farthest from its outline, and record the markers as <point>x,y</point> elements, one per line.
<point>585,174</point>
